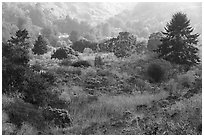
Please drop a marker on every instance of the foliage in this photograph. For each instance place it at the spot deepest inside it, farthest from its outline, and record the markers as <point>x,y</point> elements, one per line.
<point>155,72</point>
<point>81,44</point>
<point>19,112</point>
<point>154,41</point>
<point>66,62</point>
<point>81,63</point>
<point>140,47</point>
<point>7,128</point>
<point>88,51</point>
<point>178,44</point>
<point>60,117</point>
<point>35,86</point>
<point>40,46</point>
<point>61,53</point>
<point>27,129</point>
<point>98,62</point>
<point>121,46</point>
<point>15,61</point>
<point>186,80</point>
<point>70,96</point>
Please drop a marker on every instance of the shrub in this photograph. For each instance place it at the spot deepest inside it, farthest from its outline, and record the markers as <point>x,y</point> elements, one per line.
<point>60,117</point>
<point>66,62</point>
<point>27,129</point>
<point>80,45</point>
<point>37,67</point>
<point>88,72</point>
<point>139,83</point>
<point>186,80</point>
<point>98,62</point>
<point>60,53</point>
<point>35,89</point>
<point>103,72</point>
<point>88,51</point>
<point>49,76</point>
<point>155,72</point>
<point>81,63</point>
<point>7,128</point>
<point>64,71</point>
<point>19,112</point>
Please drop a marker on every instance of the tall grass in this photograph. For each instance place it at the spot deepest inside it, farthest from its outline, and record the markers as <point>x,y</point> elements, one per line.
<point>112,106</point>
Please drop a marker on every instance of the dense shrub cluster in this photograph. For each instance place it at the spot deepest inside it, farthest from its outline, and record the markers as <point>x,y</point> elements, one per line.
<point>98,62</point>
<point>63,53</point>
<point>155,72</point>
<point>80,45</point>
<point>19,112</point>
<point>60,117</point>
<point>81,63</point>
<point>122,46</point>
<point>60,53</point>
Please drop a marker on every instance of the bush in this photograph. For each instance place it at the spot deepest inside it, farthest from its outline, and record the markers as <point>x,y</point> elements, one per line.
<point>80,45</point>
<point>19,112</point>
<point>81,63</point>
<point>50,76</point>
<point>35,89</point>
<point>27,129</point>
<point>66,62</point>
<point>60,117</point>
<point>98,62</point>
<point>88,51</point>
<point>186,80</point>
<point>60,53</point>
<point>155,72</point>
<point>37,67</point>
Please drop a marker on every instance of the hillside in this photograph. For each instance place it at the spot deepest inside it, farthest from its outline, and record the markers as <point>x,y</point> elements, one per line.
<point>101,69</point>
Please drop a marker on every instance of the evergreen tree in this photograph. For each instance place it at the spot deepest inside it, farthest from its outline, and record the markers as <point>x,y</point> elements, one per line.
<point>178,44</point>
<point>15,61</point>
<point>40,46</point>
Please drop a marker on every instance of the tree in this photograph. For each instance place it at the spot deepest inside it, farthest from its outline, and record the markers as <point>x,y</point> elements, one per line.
<point>178,44</point>
<point>154,41</point>
<point>40,46</point>
<point>122,46</point>
<point>15,61</point>
<point>16,49</point>
<point>63,53</point>
<point>81,44</point>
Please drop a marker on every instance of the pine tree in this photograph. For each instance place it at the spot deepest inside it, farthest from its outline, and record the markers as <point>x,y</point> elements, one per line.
<point>178,44</point>
<point>17,48</point>
<point>15,61</point>
<point>40,46</point>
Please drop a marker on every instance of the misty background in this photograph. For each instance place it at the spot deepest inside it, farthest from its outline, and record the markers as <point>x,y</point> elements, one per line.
<point>95,21</point>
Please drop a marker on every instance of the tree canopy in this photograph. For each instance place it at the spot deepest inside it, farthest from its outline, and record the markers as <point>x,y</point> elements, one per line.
<point>178,44</point>
<point>40,46</point>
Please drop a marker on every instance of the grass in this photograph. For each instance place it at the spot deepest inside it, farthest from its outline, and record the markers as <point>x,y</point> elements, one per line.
<point>111,106</point>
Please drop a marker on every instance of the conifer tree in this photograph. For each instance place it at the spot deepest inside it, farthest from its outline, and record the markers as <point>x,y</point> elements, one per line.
<point>40,46</point>
<point>15,60</point>
<point>178,44</point>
